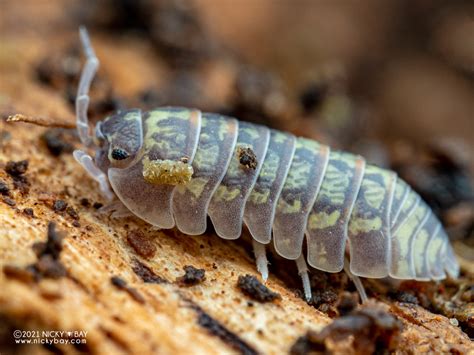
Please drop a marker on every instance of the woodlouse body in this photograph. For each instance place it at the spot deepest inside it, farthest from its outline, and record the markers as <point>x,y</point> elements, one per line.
<point>174,166</point>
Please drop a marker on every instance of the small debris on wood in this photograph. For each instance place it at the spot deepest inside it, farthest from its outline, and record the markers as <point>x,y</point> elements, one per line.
<point>29,212</point>
<point>85,202</point>
<point>247,158</point>
<point>365,331</point>
<point>59,206</point>
<point>16,168</point>
<point>56,143</point>
<point>48,264</point>
<point>192,276</point>
<point>72,212</point>
<point>253,288</point>
<point>142,244</point>
<point>9,201</point>
<point>312,96</point>
<point>4,189</point>
<point>121,284</point>
<point>146,274</point>
<point>97,205</point>
<point>325,301</point>
<point>347,303</point>
<point>18,273</point>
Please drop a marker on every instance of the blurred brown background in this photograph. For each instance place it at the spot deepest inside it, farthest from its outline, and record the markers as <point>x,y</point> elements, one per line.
<point>392,79</point>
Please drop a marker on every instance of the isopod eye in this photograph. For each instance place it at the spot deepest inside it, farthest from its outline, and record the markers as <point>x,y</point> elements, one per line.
<point>119,154</point>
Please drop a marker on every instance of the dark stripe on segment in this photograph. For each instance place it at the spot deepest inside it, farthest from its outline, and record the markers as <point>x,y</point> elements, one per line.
<point>417,255</point>
<point>261,204</point>
<point>215,148</point>
<point>369,226</point>
<point>408,208</point>
<point>420,246</point>
<point>436,254</point>
<point>226,208</point>
<point>326,231</point>
<point>169,134</point>
<point>402,264</point>
<point>450,264</point>
<point>298,195</point>
<point>402,191</point>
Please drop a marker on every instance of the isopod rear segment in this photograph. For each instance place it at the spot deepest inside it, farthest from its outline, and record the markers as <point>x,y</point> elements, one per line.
<point>173,167</point>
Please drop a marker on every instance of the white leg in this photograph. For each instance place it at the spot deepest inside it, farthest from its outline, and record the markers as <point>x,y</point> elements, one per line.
<point>261,259</point>
<point>116,209</point>
<point>303,272</point>
<point>356,280</point>
<point>87,163</point>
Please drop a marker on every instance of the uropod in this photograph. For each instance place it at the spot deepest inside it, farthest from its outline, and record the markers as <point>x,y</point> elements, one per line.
<point>173,167</point>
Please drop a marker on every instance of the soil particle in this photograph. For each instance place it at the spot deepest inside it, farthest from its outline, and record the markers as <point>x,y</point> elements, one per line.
<point>85,202</point>
<point>59,206</point>
<point>55,140</point>
<point>253,288</point>
<point>364,331</point>
<point>72,212</point>
<point>4,189</point>
<point>29,212</point>
<point>18,273</point>
<point>142,244</point>
<point>192,276</point>
<point>121,284</point>
<point>16,168</point>
<point>146,273</point>
<point>9,201</point>
<point>97,205</point>
<point>48,264</point>
<point>347,303</point>
<point>247,158</point>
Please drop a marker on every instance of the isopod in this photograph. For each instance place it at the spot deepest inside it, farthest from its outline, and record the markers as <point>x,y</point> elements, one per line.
<point>173,167</point>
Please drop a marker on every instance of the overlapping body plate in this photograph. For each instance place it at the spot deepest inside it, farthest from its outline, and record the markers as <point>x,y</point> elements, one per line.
<point>369,226</point>
<point>298,195</point>
<point>226,208</point>
<point>261,204</point>
<point>169,134</point>
<point>280,186</point>
<point>328,220</point>
<point>215,149</point>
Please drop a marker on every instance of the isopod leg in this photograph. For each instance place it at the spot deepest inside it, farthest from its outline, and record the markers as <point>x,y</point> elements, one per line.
<point>261,259</point>
<point>356,280</point>
<point>88,164</point>
<point>82,98</point>
<point>116,209</point>
<point>303,272</point>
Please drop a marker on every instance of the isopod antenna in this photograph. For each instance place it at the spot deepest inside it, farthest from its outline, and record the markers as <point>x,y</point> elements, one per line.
<point>82,98</point>
<point>82,123</point>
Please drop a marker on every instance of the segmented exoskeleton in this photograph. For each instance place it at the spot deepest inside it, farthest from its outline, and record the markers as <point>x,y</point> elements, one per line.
<point>176,166</point>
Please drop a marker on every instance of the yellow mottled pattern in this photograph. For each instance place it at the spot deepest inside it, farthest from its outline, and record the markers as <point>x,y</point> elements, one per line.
<point>433,247</point>
<point>364,225</point>
<point>403,238</point>
<point>195,187</point>
<point>269,173</point>
<point>374,192</point>
<point>292,207</point>
<point>419,250</point>
<point>321,220</point>
<point>173,138</point>
<point>224,193</point>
